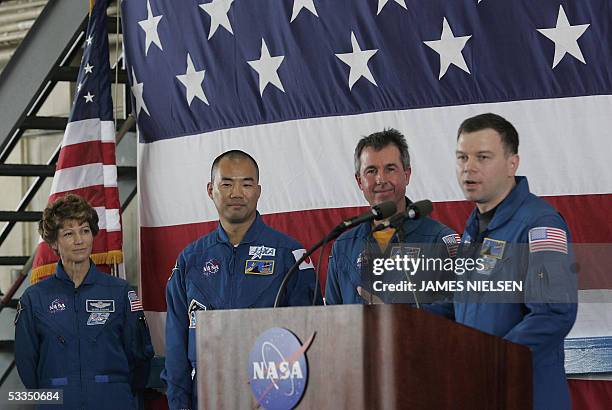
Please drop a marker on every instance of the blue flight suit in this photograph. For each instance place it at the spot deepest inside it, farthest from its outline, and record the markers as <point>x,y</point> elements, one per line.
<point>539,321</point>
<point>211,273</point>
<point>347,263</point>
<point>92,341</point>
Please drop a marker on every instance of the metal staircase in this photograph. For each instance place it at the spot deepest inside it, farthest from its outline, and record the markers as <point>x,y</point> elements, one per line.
<point>49,54</point>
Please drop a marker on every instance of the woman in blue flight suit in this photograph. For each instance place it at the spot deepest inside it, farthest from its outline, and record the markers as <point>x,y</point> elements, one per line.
<point>81,330</point>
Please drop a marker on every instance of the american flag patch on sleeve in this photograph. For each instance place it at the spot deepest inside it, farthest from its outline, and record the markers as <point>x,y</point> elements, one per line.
<point>452,244</point>
<point>548,239</point>
<point>135,303</point>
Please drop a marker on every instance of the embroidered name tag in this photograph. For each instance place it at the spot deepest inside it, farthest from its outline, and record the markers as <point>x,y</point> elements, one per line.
<point>99,306</point>
<point>401,250</point>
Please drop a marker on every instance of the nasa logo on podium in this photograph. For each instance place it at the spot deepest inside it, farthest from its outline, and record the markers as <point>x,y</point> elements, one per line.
<point>278,371</point>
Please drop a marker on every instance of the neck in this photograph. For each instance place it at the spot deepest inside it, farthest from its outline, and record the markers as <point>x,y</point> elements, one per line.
<point>76,271</point>
<point>236,231</point>
<point>485,207</point>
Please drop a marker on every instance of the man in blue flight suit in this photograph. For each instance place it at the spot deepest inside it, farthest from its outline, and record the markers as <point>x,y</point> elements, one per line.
<point>239,265</point>
<point>520,237</point>
<point>382,172</point>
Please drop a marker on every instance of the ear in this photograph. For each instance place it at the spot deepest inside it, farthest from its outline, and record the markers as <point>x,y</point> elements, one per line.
<point>258,191</point>
<point>209,189</point>
<point>513,164</point>
<point>358,180</point>
<point>408,173</point>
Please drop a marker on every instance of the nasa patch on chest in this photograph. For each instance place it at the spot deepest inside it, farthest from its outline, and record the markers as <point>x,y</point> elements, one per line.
<point>97,318</point>
<point>99,306</point>
<point>210,267</point>
<point>57,305</point>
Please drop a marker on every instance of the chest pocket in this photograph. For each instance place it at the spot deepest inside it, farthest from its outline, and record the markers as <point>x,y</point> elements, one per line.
<point>202,290</point>
<point>256,290</point>
<point>53,330</point>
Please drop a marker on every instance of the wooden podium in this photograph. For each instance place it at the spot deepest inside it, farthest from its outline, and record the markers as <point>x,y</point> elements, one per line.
<point>366,357</point>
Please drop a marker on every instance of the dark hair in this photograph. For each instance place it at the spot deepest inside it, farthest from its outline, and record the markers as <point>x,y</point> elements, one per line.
<point>507,132</point>
<point>380,140</point>
<point>233,154</point>
<point>62,209</point>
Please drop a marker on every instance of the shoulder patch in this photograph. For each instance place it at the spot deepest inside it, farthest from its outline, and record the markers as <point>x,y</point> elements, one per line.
<point>452,244</point>
<point>173,270</point>
<point>19,309</point>
<point>194,306</point>
<point>135,303</point>
<point>547,239</point>
<point>307,264</point>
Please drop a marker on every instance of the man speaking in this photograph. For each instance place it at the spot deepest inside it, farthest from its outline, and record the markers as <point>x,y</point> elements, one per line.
<point>522,238</point>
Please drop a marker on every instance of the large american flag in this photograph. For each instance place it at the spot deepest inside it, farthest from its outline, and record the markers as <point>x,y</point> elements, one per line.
<point>86,164</point>
<point>297,82</point>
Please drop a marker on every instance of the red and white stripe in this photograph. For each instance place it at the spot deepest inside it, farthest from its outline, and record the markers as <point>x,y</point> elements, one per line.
<point>308,184</point>
<point>452,244</point>
<point>135,303</point>
<point>86,167</point>
<point>544,238</point>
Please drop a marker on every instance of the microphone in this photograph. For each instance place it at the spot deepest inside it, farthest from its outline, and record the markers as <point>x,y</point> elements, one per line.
<point>419,208</point>
<point>381,211</point>
<point>378,212</point>
<point>415,210</point>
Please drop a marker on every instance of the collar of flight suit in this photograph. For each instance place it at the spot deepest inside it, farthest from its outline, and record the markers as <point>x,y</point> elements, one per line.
<point>252,234</point>
<point>90,276</point>
<point>505,209</point>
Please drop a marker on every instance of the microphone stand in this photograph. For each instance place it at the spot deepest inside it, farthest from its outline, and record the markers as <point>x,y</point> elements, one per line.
<point>379,211</point>
<point>329,237</point>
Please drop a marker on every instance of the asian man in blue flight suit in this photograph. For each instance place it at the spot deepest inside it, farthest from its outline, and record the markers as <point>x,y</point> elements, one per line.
<point>239,265</point>
<point>523,238</point>
<point>382,172</point>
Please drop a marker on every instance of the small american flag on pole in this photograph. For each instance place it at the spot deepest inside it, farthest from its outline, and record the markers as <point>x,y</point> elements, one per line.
<point>547,239</point>
<point>86,165</point>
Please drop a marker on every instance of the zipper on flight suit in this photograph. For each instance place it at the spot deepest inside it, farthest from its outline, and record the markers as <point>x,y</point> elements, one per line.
<point>473,251</point>
<point>76,319</point>
<point>232,279</point>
